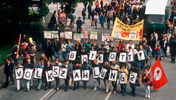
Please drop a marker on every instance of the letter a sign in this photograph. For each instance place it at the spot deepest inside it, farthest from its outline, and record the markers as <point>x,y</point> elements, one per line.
<point>72,55</point>
<point>19,73</point>
<point>77,75</point>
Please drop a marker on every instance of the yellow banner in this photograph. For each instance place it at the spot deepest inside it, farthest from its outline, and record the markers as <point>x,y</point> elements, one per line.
<point>127,32</point>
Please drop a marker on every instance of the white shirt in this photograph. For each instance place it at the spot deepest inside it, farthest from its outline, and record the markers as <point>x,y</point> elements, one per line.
<point>127,46</point>
<point>64,47</point>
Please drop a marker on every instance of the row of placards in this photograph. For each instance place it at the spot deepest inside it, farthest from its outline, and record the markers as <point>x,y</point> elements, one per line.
<point>77,76</point>
<point>112,56</point>
<point>76,36</point>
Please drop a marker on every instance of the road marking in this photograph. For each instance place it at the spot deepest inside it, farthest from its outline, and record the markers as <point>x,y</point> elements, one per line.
<point>109,94</point>
<point>46,94</point>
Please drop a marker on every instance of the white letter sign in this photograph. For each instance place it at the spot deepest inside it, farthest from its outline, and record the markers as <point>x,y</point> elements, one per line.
<point>96,72</point>
<point>68,35</point>
<point>122,78</point>
<point>92,55</point>
<point>38,73</point>
<point>19,73</point>
<point>122,57</point>
<point>77,75</point>
<point>72,55</point>
<point>63,73</point>
<point>100,58</point>
<point>56,71</point>
<point>133,77</point>
<point>28,74</point>
<point>141,55</point>
<point>84,58</point>
<point>130,57</point>
<point>103,73</point>
<point>112,56</point>
<point>85,75</point>
<point>49,76</point>
<point>113,75</point>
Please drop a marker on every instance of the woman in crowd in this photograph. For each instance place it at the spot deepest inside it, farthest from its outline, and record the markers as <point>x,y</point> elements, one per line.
<point>39,65</point>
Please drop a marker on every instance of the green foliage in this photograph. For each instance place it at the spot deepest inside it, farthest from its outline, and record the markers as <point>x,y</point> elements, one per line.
<point>43,10</point>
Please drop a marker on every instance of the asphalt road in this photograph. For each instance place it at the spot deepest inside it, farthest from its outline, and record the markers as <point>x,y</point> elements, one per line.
<point>165,93</point>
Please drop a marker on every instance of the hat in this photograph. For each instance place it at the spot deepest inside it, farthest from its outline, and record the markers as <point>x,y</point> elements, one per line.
<point>27,56</point>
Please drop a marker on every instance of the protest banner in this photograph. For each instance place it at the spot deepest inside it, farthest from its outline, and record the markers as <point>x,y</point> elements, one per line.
<point>94,35</point>
<point>28,74</point>
<point>49,76</point>
<point>54,34</point>
<point>38,73</point>
<point>127,32</point>
<point>105,37</point>
<point>62,18</point>
<point>19,73</point>
<point>47,34</point>
<point>77,75</point>
<point>62,35</point>
<point>77,36</point>
<point>68,35</point>
<point>85,75</point>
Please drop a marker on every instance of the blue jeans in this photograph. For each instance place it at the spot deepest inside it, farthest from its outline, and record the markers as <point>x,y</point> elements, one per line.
<point>64,55</point>
<point>57,54</point>
<point>123,87</point>
<point>84,19</point>
<point>147,89</point>
<point>57,82</point>
<point>165,51</point>
<point>102,25</point>
<point>39,83</point>
<point>107,57</point>
<point>108,25</point>
<point>133,87</point>
<point>141,65</point>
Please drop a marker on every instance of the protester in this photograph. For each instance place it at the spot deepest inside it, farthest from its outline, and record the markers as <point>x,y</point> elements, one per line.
<point>96,18</point>
<point>69,46</point>
<point>101,3</point>
<point>120,45</point>
<point>19,81</point>
<point>57,47</point>
<point>95,44</point>
<point>69,73</point>
<point>102,20</point>
<point>108,21</point>
<point>48,52</point>
<point>158,52</point>
<point>79,25</point>
<point>151,43</point>
<point>32,53</point>
<point>134,69</point>
<point>122,51</point>
<point>84,15</point>
<point>86,66</point>
<point>76,83</point>
<point>155,37</point>
<point>14,55</point>
<point>106,79</point>
<point>130,44</point>
<point>89,10</point>
<point>97,3</point>
<point>57,63</point>
<point>114,83</point>
<point>95,64</point>
<point>29,65</point>
<point>47,68</point>
<point>86,45</point>
<point>164,45</point>
<point>123,86</point>
<point>146,82</point>
<point>39,65</point>
<point>64,51</point>
<point>8,71</point>
<point>43,59</point>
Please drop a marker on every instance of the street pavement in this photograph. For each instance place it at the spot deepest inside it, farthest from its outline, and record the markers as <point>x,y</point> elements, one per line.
<point>167,92</point>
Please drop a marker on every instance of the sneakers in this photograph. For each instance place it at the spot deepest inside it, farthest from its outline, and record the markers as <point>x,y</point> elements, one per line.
<point>57,89</point>
<point>123,94</point>
<point>85,87</point>
<point>149,97</point>
<point>114,92</point>
<point>30,87</point>
<point>146,96</point>
<point>95,89</point>
<point>100,86</point>
<point>65,89</point>
<point>27,90</point>
<point>17,91</point>
<point>106,91</point>
<point>46,88</point>
<point>38,89</point>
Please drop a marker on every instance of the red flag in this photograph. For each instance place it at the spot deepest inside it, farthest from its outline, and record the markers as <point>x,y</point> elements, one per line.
<point>159,77</point>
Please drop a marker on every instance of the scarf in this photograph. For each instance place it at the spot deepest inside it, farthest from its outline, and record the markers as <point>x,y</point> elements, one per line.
<point>158,49</point>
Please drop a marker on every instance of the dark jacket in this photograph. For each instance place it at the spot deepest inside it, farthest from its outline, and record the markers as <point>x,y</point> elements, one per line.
<point>108,70</point>
<point>30,66</point>
<point>135,70</point>
<point>88,67</point>
<point>98,10</point>
<point>79,23</point>
<point>47,68</point>
<point>49,49</point>
<point>83,13</point>
<point>150,43</point>
<point>78,50</point>
<point>9,68</point>
<point>57,46</point>
<point>76,67</point>
<point>69,72</point>
<point>89,8</point>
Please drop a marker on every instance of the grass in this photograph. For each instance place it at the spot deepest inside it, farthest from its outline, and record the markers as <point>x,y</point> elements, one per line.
<point>4,51</point>
<point>31,12</point>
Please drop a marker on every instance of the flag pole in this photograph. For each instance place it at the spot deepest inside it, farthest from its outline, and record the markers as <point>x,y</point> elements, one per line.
<point>18,46</point>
